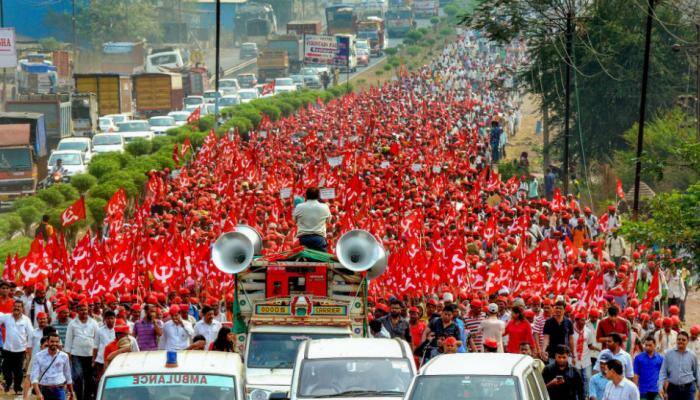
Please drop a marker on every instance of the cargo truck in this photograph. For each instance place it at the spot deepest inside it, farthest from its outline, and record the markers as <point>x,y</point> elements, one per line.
<point>23,154</point>
<point>84,113</point>
<point>113,91</point>
<point>425,8</point>
<point>123,57</point>
<point>293,45</point>
<point>302,28</point>
<point>272,63</point>
<point>399,20</point>
<point>157,94</point>
<point>372,29</point>
<point>57,114</point>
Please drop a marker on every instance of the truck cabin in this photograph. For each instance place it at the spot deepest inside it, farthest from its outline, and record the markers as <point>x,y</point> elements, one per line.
<point>341,18</point>
<point>258,27</point>
<point>15,149</point>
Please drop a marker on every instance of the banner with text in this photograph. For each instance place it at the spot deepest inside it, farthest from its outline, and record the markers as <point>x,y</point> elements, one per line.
<point>8,51</point>
<point>319,49</point>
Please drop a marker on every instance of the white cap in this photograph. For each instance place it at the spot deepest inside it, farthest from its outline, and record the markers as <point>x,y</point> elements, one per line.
<point>448,297</point>
<point>493,308</point>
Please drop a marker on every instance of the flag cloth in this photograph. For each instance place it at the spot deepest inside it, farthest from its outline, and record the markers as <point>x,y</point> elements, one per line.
<point>618,189</point>
<point>74,213</point>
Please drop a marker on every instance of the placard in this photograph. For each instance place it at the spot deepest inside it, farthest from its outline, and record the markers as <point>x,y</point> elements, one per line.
<point>436,169</point>
<point>335,161</point>
<point>384,165</point>
<point>416,167</point>
<point>8,51</point>
<point>285,193</point>
<point>327,193</point>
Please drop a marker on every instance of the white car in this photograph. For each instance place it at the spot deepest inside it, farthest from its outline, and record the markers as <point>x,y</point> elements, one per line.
<point>353,368</point>
<point>160,125</point>
<point>82,144</point>
<point>117,118</point>
<point>210,96</point>
<point>72,161</point>
<point>499,376</point>
<point>180,117</point>
<point>193,101</point>
<point>247,95</point>
<point>284,85</point>
<point>107,142</point>
<point>229,101</point>
<point>106,124</point>
<point>229,86</point>
<point>136,129</point>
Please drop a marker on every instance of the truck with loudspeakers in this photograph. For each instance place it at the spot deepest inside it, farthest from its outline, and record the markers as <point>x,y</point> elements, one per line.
<point>284,299</point>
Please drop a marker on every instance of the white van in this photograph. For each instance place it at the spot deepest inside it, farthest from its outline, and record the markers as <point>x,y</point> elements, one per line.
<point>208,375</point>
<point>352,368</point>
<point>498,376</point>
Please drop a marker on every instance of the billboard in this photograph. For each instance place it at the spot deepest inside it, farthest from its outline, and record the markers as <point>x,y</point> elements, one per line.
<point>8,51</point>
<point>319,49</point>
<point>342,55</point>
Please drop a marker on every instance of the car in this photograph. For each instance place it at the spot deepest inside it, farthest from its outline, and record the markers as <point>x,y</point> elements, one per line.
<point>136,129</point>
<point>352,368</point>
<point>308,71</point>
<point>189,109</point>
<point>193,101</point>
<point>210,96</point>
<point>106,124</point>
<point>195,375</point>
<point>117,118</point>
<point>107,142</point>
<point>247,81</point>
<point>362,44</point>
<point>160,125</point>
<point>180,117</point>
<point>499,376</point>
<point>82,144</point>
<point>298,80</point>
<point>362,57</point>
<point>228,86</point>
<point>283,85</point>
<point>312,82</point>
<point>72,160</point>
<point>248,95</point>
<point>229,100</point>
<point>248,50</point>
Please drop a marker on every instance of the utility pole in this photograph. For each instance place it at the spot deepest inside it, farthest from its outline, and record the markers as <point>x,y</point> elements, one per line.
<point>567,106</point>
<point>75,39</point>
<point>697,77</point>
<point>4,70</point>
<point>642,108</point>
<point>217,62</point>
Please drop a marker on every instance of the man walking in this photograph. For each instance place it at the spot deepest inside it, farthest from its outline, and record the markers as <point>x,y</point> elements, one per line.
<point>208,326</point>
<point>558,330</point>
<point>646,370</point>
<point>395,324</point>
<point>51,372</point>
<point>617,353</point>
<point>679,376</point>
<point>563,381</point>
<point>619,387</point>
<point>17,344</point>
<point>177,332</point>
<point>80,342</point>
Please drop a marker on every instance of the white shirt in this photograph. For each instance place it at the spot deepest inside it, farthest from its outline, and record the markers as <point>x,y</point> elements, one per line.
<point>208,331</point>
<point>103,337</point>
<point>177,337</point>
<point>37,334</point>
<point>311,217</point>
<point>18,333</point>
<point>621,356</point>
<point>584,360</point>
<point>625,390</point>
<point>57,374</point>
<point>45,308</point>
<point>665,341</point>
<point>80,337</point>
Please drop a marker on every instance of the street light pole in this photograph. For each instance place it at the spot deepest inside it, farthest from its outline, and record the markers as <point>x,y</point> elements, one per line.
<point>642,108</point>
<point>217,62</point>
<point>75,38</point>
<point>567,107</point>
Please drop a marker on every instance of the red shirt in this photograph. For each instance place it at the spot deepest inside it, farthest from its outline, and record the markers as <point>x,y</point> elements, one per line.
<point>518,332</point>
<point>6,307</point>
<point>417,333</point>
<point>607,327</point>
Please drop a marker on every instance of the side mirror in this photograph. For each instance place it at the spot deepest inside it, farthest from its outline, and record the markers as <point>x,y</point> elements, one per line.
<point>279,396</point>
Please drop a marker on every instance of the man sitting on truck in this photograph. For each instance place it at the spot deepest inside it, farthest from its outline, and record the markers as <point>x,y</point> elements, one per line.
<point>311,217</point>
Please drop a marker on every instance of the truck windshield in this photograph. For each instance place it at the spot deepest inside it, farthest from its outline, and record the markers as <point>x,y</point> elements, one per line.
<point>462,387</point>
<point>106,140</point>
<point>368,35</point>
<point>169,386</point>
<point>279,350</point>
<point>15,159</point>
<point>161,121</point>
<point>362,377</point>
<point>133,126</point>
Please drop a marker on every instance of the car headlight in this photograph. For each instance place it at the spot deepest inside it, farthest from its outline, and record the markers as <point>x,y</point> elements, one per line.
<point>258,394</point>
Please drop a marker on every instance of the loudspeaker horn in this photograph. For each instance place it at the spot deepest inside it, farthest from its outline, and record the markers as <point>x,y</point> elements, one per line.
<point>233,251</point>
<point>359,251</point>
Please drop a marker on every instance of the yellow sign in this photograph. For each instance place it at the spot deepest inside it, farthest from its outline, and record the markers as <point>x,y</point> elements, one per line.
<point>272,310</point>
<point>330,310</point>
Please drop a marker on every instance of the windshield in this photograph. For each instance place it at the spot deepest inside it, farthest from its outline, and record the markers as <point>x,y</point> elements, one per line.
<point>464,387</point>
<point>279,350</point>
<point>169,386</point>
<point>398,15</point>
<point>308,71</point>
<point>361,45</point>
<point>248,95</point>
<point>368,35</point>
<point>228,101</point>
<point>133,126</point>
<point>362,377</point>
<point>106,140</point>
<point>161,121</point>
<point>284,82</point>
<point>15,159</point>
<point>212,95</point>
<point>179,117</point>
<point>227,84</point>
<point>119,118</point>
<point>67,158</point>
<point>82,146</point>
<point>193,101</point>
<point>164,59</point>
<point>249,46</point>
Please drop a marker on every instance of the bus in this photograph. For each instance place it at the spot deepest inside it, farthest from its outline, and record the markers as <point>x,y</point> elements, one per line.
<point>341,19</point>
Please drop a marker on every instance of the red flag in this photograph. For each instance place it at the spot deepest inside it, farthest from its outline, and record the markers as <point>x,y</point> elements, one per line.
<point>620,192</point>
<point>186,145</point>
<point>194,116</point>
<point>74,213</point>
<point>652,292</point>
<point>116,204</point>
<point>268,88</point>
<point>176,154</point>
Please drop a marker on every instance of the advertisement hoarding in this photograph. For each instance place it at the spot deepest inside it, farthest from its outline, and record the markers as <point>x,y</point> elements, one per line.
<point>319,49</point>
<point>8,51</point>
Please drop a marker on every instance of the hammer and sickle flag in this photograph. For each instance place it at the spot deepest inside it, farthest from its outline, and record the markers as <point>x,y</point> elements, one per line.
<point>74,213</point>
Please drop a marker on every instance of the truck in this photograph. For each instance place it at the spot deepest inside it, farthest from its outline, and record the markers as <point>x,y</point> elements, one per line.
<point>302,28</point>
<point>281,301</point>
<point>399,20</point>
<point>341,19</point>
<point>372,29</point>
<point>292,45</point>
<point>113,91</point>
<point>57,113</point>
<point>272,63</point>
<point>425,8</point>
<point>195,81</point>
<point>123,57</point>
<point>165,60</point>
<point>157,93</point>
<point>35,74</point>
<point>84,109</point>
<point>23,154</point>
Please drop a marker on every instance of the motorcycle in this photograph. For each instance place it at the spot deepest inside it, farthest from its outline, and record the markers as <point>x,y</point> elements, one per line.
<point>54,178</point>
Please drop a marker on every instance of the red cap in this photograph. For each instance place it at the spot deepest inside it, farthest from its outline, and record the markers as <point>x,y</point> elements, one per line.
<point>667,322</point>
<point>174,309</point>
<point>675,321</point>
<point>41,315</point>
<point>491,343</point>
<point>695,330</point>
<point>136,307</point>
<point>432,302</point>
<point>62,309</point>
<point>151,299</point>
<point>476,303</point>
<point>630,313</point>
<point>183,292</point>
<point>594,313</point>
<point>529,313</point>
<point>413,310</point>
<point>580,315</point>
<point>674,310</point>
<point>40,286</point>
<point>110,298</point>
<point>449,341</point>
<point>121,329</point>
